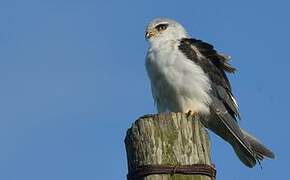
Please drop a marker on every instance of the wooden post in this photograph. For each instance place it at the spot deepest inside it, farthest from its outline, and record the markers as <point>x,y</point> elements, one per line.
<point>168,139</point>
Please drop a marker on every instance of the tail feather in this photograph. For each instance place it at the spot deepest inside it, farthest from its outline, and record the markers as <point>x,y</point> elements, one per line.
<point>230,132</point>
<point>248,149</point>
<point>248,159</point>
<point>257,146</point>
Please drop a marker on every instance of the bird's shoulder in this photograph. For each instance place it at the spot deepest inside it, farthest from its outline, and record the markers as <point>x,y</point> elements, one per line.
<point>193,47</point>
<point>215,65</point>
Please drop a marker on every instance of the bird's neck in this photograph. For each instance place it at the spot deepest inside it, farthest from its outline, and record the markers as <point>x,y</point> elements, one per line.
<point>163,43</point>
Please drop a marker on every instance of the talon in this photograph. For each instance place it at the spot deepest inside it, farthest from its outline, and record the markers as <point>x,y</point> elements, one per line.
<point>190,113</point>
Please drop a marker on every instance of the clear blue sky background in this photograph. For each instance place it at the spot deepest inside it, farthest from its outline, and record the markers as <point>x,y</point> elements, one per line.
<point>72,80</point>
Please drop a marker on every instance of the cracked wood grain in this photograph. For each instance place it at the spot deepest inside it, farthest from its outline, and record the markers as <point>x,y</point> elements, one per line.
<point>171,139</point>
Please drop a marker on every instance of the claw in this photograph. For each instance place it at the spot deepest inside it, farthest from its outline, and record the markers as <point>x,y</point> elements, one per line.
<point>190,113</point>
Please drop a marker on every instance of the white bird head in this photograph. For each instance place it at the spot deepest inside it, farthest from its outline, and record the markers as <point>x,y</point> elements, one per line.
<point>164,29</point>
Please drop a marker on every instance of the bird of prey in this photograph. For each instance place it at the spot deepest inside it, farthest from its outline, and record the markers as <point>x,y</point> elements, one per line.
<point>188,75</point>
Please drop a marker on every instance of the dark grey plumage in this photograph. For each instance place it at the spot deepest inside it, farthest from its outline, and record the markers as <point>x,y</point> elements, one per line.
<point>223,108</point>
<point>215,66</point>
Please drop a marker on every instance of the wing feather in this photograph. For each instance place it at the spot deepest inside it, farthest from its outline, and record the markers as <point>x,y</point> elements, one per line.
<point>214,65</point>
<point>223,108</point>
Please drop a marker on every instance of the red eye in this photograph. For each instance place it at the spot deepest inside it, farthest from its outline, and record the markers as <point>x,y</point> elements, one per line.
<point>161,27</point>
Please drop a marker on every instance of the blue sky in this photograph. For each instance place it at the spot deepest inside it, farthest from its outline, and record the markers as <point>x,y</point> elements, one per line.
<point>72,80</point>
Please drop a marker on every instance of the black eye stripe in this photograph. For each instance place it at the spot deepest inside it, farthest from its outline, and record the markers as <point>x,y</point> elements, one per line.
<point>160,27</point>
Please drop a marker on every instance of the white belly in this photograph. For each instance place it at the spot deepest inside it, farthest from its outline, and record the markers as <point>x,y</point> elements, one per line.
<point>178,84</point>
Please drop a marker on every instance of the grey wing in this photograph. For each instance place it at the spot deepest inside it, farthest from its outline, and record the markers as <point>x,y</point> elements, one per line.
<point>223,124</point>
<point>223,108</point>
<point>214,65</point>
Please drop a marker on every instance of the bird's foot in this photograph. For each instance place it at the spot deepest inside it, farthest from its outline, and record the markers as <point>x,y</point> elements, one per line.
<point>190,113</point>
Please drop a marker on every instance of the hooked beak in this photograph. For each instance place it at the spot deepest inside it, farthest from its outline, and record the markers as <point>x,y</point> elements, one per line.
<point>149,34</point>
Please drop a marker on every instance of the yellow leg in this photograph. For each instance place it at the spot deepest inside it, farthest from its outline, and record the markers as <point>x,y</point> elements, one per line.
<point>191,113</point>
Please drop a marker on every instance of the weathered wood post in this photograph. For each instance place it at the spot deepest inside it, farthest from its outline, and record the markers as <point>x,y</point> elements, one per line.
<point>168,146</point>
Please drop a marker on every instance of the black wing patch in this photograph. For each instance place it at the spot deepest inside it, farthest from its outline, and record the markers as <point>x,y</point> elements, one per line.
<point>223,107</point>
<point>214,65</point>
<point>220,60</point>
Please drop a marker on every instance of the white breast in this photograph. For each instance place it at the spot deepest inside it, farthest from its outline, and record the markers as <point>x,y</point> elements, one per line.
<point>178,84</point>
